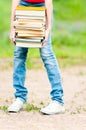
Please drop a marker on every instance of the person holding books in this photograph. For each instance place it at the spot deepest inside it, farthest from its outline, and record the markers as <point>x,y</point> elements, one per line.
<point>20,54</point>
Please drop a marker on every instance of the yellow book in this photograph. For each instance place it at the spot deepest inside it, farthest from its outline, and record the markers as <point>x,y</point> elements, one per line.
<point>30,8</point>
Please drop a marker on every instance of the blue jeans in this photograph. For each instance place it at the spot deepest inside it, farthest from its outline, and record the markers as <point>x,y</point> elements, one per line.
<point>50,63</point>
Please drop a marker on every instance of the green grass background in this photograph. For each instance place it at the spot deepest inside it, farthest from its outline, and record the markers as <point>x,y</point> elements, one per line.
<point>68,33</point>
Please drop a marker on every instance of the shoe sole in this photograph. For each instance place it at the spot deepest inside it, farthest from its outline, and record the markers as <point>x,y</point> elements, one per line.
<point>11,111</point>
<point>45,113</point>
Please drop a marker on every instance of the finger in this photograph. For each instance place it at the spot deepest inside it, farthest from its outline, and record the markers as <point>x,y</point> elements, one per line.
<point>12,40</point>
<point>44,43</point>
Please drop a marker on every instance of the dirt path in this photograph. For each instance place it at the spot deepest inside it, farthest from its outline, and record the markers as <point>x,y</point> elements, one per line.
<point>74,84</point>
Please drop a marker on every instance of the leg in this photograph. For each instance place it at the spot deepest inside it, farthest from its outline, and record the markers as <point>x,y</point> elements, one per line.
<point>52,68</point>
<point>53,72</point>
<point>19,74</point>
<point>20,55</point>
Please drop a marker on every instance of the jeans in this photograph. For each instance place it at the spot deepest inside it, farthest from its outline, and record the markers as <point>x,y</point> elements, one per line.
<point>50,63</point>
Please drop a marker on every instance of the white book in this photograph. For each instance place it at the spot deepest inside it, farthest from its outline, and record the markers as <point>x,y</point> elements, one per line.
<point>29,45</point>
<point>30,28</point>
<point>27,40</point>
<point>28,35</point>
<point>29,13</point>
<point>30,17</point>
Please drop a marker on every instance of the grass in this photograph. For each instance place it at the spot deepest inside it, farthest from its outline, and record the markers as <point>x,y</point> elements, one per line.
<point>70,10</point>
<point>68,33</point>
<point>6,49</point>
<point>3,108</point>
<point>31,107</point>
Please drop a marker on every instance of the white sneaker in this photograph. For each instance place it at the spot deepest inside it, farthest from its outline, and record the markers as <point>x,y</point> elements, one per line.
<point>53,108</point>
<point>16,106</point>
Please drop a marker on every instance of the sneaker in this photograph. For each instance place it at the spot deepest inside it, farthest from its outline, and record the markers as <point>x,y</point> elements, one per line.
<point>16,106</point>
<point>53,108</point>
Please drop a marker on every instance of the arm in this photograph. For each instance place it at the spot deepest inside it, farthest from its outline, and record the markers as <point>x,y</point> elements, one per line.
<point>49,7</point>
<point>48,4</point>
<point>12,31</point>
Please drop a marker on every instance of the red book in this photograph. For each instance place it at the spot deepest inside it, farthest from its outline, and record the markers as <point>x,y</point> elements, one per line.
<point>35,1</point>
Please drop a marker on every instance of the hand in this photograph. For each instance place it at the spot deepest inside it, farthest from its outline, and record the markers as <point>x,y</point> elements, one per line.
<point>46,37</point>
<point>12,36</point>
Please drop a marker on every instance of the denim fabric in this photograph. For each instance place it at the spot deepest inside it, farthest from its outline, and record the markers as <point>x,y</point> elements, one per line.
<point>22,2</point>
<point>50,63</point>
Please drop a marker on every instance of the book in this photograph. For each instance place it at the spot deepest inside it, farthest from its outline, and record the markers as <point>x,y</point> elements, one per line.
<point>29,17</point>
<point>28,45</point>
<point>30,34</point>
<point>29,26</point>
<point>30,13</point>
<point>29,20</point>
<point>30,8</point>
<point>38,32</point>
<point>35,40</point>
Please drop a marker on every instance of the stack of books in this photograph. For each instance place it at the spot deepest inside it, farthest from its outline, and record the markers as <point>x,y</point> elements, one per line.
<point>29,26</point>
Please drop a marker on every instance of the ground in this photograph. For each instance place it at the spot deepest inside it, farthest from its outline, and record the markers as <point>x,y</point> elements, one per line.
<point>74,85</point>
